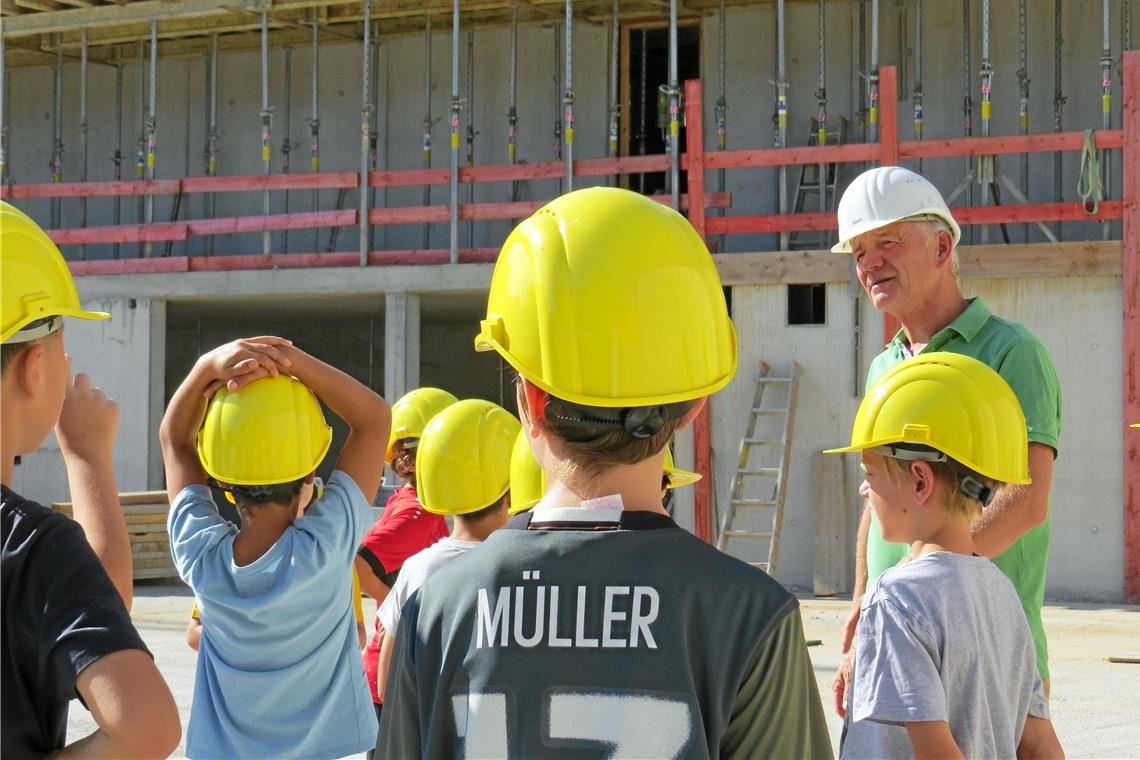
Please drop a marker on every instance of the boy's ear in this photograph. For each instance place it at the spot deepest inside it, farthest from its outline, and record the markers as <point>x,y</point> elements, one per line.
<point>28,368</point>
<point>923,484</point>
<point>692,413</point>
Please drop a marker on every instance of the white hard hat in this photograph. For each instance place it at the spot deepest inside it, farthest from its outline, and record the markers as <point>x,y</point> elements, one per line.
<point>884,195</point>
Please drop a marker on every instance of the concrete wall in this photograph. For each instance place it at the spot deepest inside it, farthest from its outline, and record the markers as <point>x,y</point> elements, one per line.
<point>750,97</point>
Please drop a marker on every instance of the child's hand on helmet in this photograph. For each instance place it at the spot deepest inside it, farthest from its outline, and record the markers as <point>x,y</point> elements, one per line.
<point>239,363</point>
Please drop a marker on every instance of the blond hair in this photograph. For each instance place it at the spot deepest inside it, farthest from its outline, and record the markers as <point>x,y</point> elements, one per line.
<point>948,477</point>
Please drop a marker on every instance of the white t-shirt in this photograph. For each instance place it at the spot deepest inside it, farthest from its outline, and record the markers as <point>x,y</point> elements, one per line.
<point>943,638</point>
<point>415,571</point>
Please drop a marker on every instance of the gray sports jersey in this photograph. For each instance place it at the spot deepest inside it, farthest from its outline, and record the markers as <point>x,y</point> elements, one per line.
<point>636,642</point>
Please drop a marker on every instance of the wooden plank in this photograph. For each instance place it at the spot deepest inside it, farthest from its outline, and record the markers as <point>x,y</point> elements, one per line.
<point>1076,259</point>
<point>1047,142</point>
<point>147,547</point>
<point>695,140</point>
<point>770,222</point>
<point>737,159</point>
<point>408,177</point>
<point>781,267</point>
<point>1130,269</point>
<point>260,223</point>
<point>130,266</point>
<point>144,497</point>
<point>597,167</point>
<point>1037,212</point>
<point>320,181</point>
<point>273,261</point>
<point>149,573</point>
<point>120,13</point>
<point>124,233</point>
<point>831,503</point>
<point>94,189</point>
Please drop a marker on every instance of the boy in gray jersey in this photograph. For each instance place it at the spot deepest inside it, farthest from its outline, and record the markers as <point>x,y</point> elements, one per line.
<point>944,663</point>
<point>594,626</point>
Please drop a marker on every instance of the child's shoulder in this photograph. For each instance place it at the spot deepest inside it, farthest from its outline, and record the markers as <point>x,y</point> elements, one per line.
<point>933,580</point>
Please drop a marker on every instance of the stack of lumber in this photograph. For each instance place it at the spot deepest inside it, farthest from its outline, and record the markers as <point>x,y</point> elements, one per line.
<point>145,514</point>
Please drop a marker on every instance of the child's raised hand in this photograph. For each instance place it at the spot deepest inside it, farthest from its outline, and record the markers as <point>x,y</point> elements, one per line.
<point>239,363</point>
<point>88,422</point>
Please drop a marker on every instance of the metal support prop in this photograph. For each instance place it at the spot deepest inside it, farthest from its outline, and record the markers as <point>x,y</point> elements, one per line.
<point>140,144</point>
<point>57,129</point>
<point>720,110</point>
<point>453,240</point>
<point>568,97</point>
<point>615,91</point>
<point>471,127</point>
<point>117,157</point>
<point>286,136</point>
<point>862,102</point>
<point>151,126</point>
<point>918,94</point>
<point>1058,101</point>
<point>83,131</point>
<point>1023,95</point>
<point>212,136</point>
<point>266,126</point>
<point>674,112</point>
<point>374,141</point>
<point>558,96</point>
<point>3,123</point>
<point>781,113</point>
<point>314,121</point>
<point>1106,107</point>
<point>821,101</point>
<point>967,99</point>
<point>365,131</point>
<point>873,77</point>
<point>429,123</point>
<point>985,164</point>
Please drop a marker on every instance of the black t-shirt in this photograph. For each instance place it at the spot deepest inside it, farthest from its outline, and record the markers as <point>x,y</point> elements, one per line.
<point>61,613</point>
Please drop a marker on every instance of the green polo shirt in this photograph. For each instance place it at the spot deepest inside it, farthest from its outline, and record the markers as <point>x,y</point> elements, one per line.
<point>1021,359</point>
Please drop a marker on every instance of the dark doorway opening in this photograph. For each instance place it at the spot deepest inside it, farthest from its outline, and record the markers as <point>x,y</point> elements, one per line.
<point>807,304</point>
<point>649,109</point>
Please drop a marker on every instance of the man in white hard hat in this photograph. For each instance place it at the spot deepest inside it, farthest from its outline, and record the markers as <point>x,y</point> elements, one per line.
<point>903,237</point>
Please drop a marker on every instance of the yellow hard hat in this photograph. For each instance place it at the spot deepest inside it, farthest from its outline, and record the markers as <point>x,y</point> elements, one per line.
<point>951,403</point>
<point>678,478</point>
<point>528,481</point>
<point>34,279</point>
<point>463,461</point>
<point>606,298</point>
<point>411,414</point>
<point>271,431</point>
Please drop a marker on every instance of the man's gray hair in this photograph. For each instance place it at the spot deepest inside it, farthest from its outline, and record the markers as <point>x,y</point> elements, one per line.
<point>930,225</point>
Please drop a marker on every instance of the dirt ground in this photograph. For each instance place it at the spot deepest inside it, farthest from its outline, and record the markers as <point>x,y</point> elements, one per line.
<point>1095,703</point>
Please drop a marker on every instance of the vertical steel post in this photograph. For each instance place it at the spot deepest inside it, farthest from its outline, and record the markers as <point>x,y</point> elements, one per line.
<point>117,157</point>
<point>568,96</point>
<point>83,131</point>
<point>1023,95</point>
<point>374,139</point>
<point>3,124</point>
<point>558,96</point>
<point>641,134</point>
<point>266,127</point>
<point>429,123</point>
<point>1106,107</point>
<point>873,76</point>
<point>918,94</point>
<point>986,163</point>
<point>212,137</point>
<point>314,125</point>
<point>471,127</point>
<point>615,87</point>
<point>365,131</point>
<point>512,101</point>
<point>1058,102</point>
<point>286,135</point>
<point>57,129</point>
<point>140,144</point>
<point>721,109</point>
<point>967,99</point>
<point>781,114</point>
<point>821,101</point>
<point>674,112</point>
<point>453,240</point>
<point>151,127</point>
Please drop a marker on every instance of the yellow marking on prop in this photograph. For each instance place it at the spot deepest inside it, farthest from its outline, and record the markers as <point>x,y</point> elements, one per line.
<point>315,164</point>
<point>264,152</point>
<point>150,160</point>
<point>822,138</point>
<point>569,135</point>
<point>986,109</point>
<point>875,115</point>
<point>1106,103</point>
<point>454,140</point>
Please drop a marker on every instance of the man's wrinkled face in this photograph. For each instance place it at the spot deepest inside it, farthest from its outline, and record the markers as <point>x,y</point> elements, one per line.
<point>897,265</point>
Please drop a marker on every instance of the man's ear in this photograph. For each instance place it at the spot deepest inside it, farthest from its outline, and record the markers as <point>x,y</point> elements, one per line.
<point>945,243</point>
<point>692,413</point>
<point>923,483</point>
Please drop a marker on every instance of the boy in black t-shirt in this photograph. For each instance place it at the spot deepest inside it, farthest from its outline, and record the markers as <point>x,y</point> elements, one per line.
<point>66,632</point>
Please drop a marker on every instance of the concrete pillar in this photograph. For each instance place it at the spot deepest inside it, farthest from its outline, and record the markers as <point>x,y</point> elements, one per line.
<point>683,497</point>
<point>401,344</point>
<point>125,356</point>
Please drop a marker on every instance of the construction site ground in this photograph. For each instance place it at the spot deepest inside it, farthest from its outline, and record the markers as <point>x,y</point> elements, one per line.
<point>1095,703</point>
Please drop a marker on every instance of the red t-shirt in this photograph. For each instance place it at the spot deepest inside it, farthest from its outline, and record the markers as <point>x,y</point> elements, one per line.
<point>404,529</point>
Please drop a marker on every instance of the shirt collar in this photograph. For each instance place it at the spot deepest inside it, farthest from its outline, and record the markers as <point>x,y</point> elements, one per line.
<point>967,325</point>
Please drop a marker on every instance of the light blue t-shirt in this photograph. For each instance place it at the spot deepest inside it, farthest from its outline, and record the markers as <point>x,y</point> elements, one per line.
<point>279,671</point>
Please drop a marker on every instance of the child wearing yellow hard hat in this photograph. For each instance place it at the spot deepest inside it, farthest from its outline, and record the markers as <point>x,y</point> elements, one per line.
<point>67,584</point>
<point>464,466</point>
<point>278,673</point>
<point>945,664</point>
<point>594,623</point>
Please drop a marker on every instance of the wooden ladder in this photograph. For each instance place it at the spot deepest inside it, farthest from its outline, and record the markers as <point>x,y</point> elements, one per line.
<point>756,503</point>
